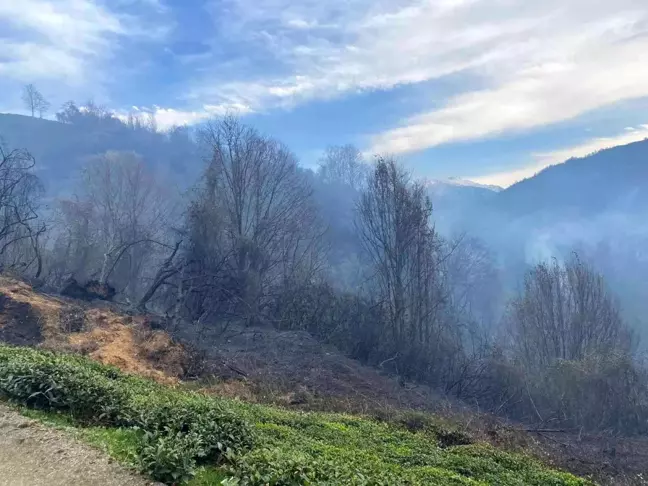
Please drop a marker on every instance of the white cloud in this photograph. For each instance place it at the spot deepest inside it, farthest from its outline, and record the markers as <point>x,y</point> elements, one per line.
<point>354,46</point>
<point>596,76</point>
<point>537,62</point>
<point>546,159</point>
<point>55,39</point>
<point>66,47</point>
<point>168,117</point>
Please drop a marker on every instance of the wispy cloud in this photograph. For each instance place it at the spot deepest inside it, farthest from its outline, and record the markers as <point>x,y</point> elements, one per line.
<point>55,39</point>
<point>324,50</point>
<point>595,67</point>
<point>65,44</point>
<point>546,159</point>
<point>536,63</point>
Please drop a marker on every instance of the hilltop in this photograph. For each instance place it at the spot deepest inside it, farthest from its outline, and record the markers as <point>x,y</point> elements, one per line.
<point>60,149</point>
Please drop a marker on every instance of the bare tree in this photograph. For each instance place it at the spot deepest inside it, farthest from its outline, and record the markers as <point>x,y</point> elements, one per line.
<point>20,228</point>
<point>565,312</point>
<point>117,227</point>
<point>473,280</point>
<point>42,105</point>
<point>343,164</point>
<point>394,225</point>
<point>29,97</point>
<point>34,100</point>
<point>259,212</point>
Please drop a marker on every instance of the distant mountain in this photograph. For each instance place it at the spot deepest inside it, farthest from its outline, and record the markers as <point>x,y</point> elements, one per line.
<point>612,183</point>
<point>595,205</point>
<point>454,202</point>
<point>612,179</point>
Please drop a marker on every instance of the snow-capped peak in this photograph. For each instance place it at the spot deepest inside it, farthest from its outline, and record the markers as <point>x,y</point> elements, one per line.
<point>458,181</point>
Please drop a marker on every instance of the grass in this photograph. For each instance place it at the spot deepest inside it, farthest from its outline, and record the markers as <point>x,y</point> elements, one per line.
<point>297,448</point>
<point>119,443</point>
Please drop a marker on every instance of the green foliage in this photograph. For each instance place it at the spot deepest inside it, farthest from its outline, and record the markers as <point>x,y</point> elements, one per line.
<point>175,429</point>
<point>169,457</point>
<point>177,436</point>
<point>331,449</point>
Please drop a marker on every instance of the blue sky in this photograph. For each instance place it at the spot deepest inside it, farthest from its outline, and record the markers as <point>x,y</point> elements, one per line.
<point>488,90</point>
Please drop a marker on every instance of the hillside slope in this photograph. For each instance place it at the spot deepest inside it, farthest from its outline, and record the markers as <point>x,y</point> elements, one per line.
<point>175,435</point>
<point>294,371</point>
<point>612,179</point>
<point>61,148</point>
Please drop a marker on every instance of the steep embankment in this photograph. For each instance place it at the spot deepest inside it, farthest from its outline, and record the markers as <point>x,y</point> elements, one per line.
<point>258,367</point>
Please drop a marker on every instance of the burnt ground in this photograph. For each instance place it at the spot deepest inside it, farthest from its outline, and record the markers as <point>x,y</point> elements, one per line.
<point>611,461</point>
<point>292,368</point>
<point>19,324</point>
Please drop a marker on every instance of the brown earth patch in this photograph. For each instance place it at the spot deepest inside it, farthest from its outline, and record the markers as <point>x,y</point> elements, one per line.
<point>30,318</point>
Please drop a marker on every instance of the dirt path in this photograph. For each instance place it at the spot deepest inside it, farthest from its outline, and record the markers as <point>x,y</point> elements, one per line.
<point>34,455</point>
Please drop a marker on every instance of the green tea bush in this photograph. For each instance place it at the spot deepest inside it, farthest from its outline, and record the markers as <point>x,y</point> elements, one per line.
<point>48,381</point>
<point>173,434</point>
<point>169,457</point>
<point>177,429</point>
<point>330,449</point>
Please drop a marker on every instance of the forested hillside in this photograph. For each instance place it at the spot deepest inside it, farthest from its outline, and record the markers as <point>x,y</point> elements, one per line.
<point>524,302</point>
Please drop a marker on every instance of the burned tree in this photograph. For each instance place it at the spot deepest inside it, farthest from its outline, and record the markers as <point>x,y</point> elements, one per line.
<point>116,229</point>
<point>406,257</point>
<point>20,227</point>
<point>343,164</point>
<point>253,224</point>
<point>394,224</point>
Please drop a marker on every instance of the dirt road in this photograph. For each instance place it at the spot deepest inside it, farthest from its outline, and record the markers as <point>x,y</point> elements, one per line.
<point>34,455</point>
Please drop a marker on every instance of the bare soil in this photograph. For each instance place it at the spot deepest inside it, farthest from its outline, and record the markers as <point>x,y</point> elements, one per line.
<point>34,455</point>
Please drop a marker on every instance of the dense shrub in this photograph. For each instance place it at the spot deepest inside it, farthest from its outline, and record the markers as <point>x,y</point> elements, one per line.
<point>617,382</point>
<point>45,380</point>
<point>177,429</point>
<point>598,393</point>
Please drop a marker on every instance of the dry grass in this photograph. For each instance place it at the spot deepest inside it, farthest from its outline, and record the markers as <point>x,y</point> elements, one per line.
<point>103,333</point>
<point>120,344</point>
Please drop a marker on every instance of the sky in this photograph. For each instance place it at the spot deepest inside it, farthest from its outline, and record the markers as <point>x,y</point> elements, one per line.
<point>487,90</point>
